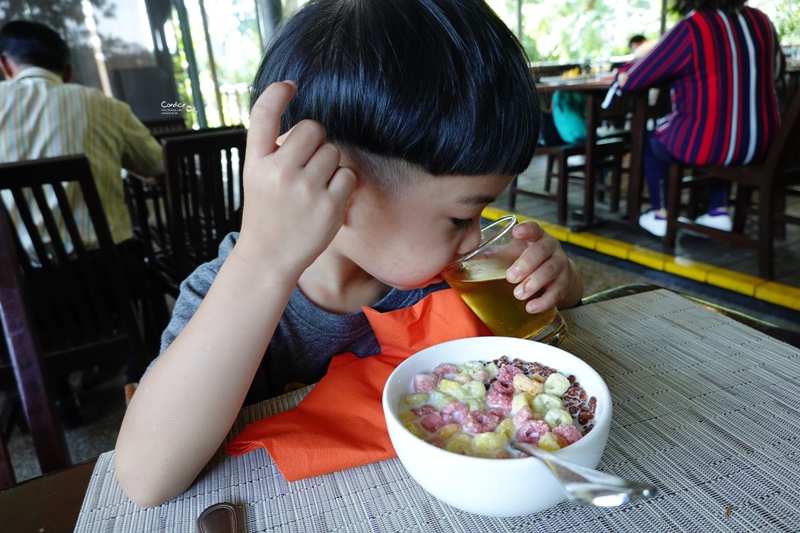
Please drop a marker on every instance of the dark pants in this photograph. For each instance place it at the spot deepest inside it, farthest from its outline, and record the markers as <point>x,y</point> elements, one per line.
<point>656,169</point>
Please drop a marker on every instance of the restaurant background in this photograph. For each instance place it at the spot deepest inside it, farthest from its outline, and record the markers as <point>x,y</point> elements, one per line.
<point>199,56</point>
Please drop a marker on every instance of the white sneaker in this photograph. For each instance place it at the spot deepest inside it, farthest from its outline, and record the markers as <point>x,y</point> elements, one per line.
<point>652,223</point>
<point>716,219</point>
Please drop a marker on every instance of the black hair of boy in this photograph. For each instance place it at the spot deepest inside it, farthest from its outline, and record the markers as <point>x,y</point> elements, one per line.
<point>33,43</point>
<point>440,84</point>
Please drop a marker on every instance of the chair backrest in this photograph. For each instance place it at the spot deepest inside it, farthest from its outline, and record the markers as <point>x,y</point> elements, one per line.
<point>161,135</point>
<point>24,356</point>
<point>147,204</point>
<point>783,158</point>
<point>165,125</point>
<point>619,112</point>
<point>787,87</point>
<point>80,297</point>
<point>64,306</point>
<point>203,174</point>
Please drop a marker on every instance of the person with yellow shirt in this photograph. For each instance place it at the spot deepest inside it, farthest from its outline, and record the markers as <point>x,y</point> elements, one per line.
<point>43,115</point>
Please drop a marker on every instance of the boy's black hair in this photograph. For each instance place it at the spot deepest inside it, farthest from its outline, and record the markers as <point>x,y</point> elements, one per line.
<point>440,84</point>
<point>33,43</point>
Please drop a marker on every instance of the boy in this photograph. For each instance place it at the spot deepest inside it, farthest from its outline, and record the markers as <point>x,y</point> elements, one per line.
<point>404,120</point>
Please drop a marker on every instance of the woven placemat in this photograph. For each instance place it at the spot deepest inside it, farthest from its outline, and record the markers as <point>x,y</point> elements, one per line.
<point>705,408</point>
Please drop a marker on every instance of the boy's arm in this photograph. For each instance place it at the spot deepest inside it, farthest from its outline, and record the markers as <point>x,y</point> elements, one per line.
<point>187,402</point>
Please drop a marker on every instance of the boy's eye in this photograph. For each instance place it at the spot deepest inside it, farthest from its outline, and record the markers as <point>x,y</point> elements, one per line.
<point>462,223</point>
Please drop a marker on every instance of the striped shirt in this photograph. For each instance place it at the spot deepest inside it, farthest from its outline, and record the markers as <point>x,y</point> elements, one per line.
<point>722,71</point>
<point>40,116</point>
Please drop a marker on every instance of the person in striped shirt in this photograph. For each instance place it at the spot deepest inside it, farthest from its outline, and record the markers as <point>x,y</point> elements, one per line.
<point>721,61</point>
<point>42,115</point>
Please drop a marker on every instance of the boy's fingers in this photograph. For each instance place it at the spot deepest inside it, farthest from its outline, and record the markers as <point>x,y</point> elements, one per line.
<point>342,184</point>
<point>324,162</point>
<point>305,140</point>
<point>279,140</point>
<point>265,118</point>
<point>528,231</point>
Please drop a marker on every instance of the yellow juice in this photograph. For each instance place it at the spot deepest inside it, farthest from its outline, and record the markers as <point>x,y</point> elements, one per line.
<point>483,286</point>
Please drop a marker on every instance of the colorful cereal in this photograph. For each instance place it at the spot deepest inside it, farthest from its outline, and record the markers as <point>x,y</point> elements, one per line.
<point>478,408</point>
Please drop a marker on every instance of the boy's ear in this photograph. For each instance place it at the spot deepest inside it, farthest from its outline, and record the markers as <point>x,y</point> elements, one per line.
<point>358,195</point>
<point>346,220</point>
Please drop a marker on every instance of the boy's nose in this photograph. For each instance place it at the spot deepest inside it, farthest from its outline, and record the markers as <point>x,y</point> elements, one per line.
<point>471,240</point>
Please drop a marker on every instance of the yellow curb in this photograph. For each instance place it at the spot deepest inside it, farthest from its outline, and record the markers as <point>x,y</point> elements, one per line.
<point>648,258</point>
<point>687,268</point>
<point>614,248</point>
<point>734,281</point>
<point>779,294</point>
<point>582,239</point>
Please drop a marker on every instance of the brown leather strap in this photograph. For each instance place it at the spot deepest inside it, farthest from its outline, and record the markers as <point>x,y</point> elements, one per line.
<point>219,518</point>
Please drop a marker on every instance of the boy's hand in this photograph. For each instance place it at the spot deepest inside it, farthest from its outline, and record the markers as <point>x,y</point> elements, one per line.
<point>543,265</point>
<point>295,194</point>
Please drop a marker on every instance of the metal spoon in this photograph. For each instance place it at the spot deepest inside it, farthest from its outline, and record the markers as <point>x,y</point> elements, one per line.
<point>589,486</point>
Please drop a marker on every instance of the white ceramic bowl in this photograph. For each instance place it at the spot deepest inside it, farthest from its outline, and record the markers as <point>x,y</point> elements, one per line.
<point>492,487</point>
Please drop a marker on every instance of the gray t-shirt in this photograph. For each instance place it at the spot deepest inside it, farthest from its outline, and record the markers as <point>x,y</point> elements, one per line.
<point>306,338</point>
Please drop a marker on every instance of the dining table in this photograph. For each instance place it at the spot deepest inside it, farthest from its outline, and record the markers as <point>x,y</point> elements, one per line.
<point>706,406</point>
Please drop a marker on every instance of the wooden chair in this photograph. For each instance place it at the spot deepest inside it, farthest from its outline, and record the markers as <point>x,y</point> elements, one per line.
<point>165,125</point>
<point>24,356</point>
<point>611,146</point>
<point>79,307</point>
<point>769,179</point>
<point>7,478</point>
<point>204,194</point>
<point>147,207</point>
<point>610,152</point>
<point>147,204</point>
<point>787,87</point>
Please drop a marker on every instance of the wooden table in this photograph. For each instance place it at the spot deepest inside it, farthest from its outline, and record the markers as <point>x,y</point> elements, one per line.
<point>594,90</point>
<point>542,69</point>
<point>51,503</point>
<point>48,503</point>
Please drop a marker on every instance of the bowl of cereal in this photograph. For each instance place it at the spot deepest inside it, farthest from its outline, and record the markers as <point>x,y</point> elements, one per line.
<point>454,409</point>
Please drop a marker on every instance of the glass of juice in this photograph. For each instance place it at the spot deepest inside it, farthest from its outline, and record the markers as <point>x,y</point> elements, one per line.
<point>480,279</point>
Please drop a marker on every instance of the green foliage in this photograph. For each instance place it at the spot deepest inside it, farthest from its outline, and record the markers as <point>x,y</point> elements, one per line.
<point>580,30</point>
<point>787,21</point>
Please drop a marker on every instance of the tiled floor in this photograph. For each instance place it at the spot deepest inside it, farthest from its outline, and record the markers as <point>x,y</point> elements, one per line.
<point>710,261</point>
